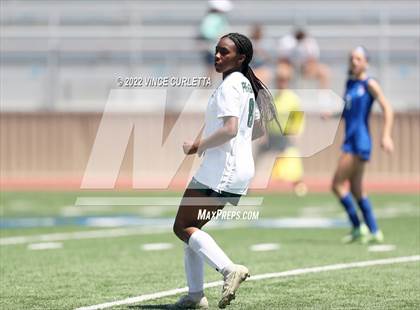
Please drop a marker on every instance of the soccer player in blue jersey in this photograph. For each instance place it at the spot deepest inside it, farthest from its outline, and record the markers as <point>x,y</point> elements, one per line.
<point>361,91</point>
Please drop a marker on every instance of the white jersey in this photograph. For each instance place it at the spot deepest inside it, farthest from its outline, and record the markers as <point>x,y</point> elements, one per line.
<point>230,167</point>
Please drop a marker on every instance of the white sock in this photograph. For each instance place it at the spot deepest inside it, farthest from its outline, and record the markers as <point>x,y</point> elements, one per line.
<point>194,270</point>
<point>203,244</point>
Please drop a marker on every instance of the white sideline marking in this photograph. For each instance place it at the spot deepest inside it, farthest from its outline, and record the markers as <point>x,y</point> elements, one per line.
<point>396,210</point>
<point>105,233</point>
<point>90,234</point>
<point>152,201</point>
<point>295,272</point>
<point>389,210</point>
<point>164,226</point>
<point>296,222</point>
<point>264,247</point>
<point>45,246</point>
<point>381,248</point>
<point>156,246</point>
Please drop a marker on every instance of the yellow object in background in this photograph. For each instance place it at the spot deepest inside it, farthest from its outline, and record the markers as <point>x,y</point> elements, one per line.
<point>288,167</point>
<point>289,114</point>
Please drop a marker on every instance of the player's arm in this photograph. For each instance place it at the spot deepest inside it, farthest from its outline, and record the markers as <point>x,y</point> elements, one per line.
<point>376,91</point>
<point>228,131</point>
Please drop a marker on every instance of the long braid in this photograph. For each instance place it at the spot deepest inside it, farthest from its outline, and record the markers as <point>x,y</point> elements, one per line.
<point>263,96</point>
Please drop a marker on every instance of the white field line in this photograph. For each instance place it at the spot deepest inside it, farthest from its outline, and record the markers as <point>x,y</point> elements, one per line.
<point>90,234</point>
<point>295,272</point>
<point>381,248</point>
<point>260,247</point>
<point>103,233</point>
<point>45,246</point>
<point>156,201</point>
<point>164,228</point>
<point>156,246</point>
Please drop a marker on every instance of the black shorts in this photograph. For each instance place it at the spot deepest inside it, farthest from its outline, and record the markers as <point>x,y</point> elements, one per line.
<point>222,196</point>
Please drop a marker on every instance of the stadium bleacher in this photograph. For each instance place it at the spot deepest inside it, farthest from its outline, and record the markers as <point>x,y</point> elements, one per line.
<point>68,54</point>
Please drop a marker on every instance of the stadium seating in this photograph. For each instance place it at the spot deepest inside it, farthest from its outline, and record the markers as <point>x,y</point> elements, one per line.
<point>69,54</point>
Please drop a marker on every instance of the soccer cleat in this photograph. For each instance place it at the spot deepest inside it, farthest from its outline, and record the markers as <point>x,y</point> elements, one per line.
<point>359,233</point>
<point>375,238</point>
<point>187,302</point>
<point>231,284</point>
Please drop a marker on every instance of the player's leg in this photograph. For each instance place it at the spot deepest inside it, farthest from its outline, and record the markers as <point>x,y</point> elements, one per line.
<point>356,185</point>
<point>188,228</point>
<point>204,246</point>
<point>356,180</point>
<point>186,223</point>
<point>233,274</point>
<point>343,173</point>
<point>194,271</point>
<point>187,218</point>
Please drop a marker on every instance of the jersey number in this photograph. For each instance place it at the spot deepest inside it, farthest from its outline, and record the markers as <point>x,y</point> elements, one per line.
<point>250,112</point>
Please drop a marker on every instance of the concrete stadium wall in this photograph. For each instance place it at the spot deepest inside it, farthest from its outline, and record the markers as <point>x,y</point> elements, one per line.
<point>53,149</point>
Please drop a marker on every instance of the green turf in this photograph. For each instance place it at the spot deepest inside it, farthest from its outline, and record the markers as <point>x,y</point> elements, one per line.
<point>93,271</point>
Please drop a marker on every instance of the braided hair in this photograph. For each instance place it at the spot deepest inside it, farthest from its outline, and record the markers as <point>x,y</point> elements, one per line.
<point>263,96</point>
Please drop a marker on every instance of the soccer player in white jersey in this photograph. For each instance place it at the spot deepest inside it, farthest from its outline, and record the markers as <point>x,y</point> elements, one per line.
<point>236,114</point>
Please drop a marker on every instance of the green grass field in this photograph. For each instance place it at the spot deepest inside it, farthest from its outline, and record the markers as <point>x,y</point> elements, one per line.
<point>90,271</point>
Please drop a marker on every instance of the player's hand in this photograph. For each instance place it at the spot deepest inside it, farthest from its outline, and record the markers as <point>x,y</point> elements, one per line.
<point>189,148</point>
<point>387,144</point>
